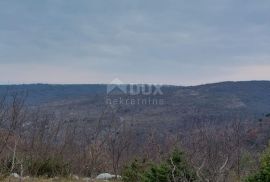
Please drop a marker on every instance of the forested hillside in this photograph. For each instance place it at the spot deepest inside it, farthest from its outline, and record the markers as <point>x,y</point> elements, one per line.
<point>213,132</point>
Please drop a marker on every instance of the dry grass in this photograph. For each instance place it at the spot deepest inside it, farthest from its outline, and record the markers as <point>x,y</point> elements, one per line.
<point>11,179</point>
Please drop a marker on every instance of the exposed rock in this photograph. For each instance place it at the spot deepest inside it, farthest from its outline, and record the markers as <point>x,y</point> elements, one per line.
<point>87,179</point>
<point>15,175</point>
<point>105,176</point>
<point>75,177</point>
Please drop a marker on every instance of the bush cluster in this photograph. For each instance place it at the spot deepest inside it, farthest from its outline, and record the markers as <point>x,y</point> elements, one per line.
<point>263,174</point>
<point>175,168</point>
<point>50,167</point>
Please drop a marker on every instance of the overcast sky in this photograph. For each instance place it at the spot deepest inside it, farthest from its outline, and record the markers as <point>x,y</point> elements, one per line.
<point>183,42</point>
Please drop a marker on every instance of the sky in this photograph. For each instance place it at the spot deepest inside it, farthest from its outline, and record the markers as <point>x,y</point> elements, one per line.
<point>179,42</point>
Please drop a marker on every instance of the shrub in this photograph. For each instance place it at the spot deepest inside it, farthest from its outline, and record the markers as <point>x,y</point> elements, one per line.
<point>183,170</point>
<point>133,172</point>
<point>263,175</point>
<point>157,173</point>
<point>174,168</point>
<point>51,167</point>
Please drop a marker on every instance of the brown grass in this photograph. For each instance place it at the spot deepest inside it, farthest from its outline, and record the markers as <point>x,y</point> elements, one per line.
<point>11,179</point>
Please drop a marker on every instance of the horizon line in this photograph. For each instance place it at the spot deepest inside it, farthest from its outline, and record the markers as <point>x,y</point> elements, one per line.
<point>176,85</point>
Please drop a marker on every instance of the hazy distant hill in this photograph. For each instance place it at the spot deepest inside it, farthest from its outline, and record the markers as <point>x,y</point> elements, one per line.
<point>219,101</point>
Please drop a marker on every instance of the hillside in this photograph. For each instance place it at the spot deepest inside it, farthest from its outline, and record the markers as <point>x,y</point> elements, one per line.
<point>244,99</point>
<point>82,132</point>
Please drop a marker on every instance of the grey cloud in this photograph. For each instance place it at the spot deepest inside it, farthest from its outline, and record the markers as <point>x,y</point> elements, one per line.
<point>118,37</point>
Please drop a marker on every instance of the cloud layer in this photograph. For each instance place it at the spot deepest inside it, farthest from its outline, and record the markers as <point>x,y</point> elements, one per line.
<point>154,41</point>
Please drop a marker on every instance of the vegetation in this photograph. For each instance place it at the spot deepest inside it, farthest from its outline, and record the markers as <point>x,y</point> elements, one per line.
<point>51,167</point>
<point>42,144</point>
<point>263,174</point>
<point>175,168</point>
<point>50,180</point>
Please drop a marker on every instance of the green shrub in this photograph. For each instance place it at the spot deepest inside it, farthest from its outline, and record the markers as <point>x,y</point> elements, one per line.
<point>51,167</point>
<point>157,173</point>
<point>175,167</point>
<point>133,172</point>
<point>263,175</point>
<point>183,169</point>
<point>6,166</point>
